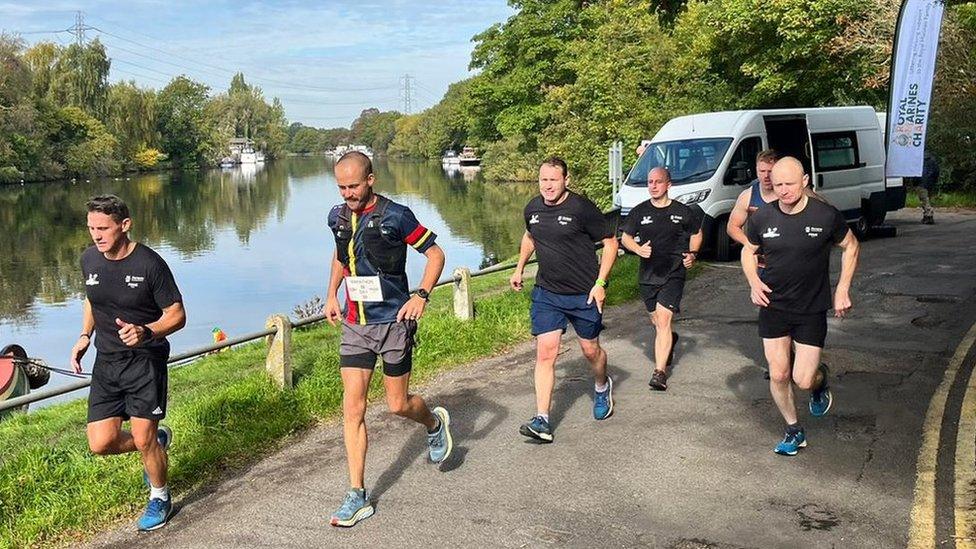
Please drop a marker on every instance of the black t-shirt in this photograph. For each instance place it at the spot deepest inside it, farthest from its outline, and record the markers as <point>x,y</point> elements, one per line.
<point>135,289</point>
<point>669,230</point>
<point>564,235</point>
<point>797,251</point>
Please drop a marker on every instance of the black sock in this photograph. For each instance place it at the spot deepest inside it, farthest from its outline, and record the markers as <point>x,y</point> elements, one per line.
<point>438,428</point>
<point>794,428</point>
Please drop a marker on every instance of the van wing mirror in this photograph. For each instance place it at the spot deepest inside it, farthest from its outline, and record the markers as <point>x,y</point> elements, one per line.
<point>740,173</point>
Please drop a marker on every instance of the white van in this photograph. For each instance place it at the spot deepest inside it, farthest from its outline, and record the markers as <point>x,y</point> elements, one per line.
<point>712,158</point>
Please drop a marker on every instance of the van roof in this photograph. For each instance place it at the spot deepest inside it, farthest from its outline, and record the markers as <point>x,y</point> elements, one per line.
<point>732,123</point>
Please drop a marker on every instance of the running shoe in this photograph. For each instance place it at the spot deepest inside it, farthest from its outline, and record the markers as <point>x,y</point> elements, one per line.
<point>354,508</point>
<point>155,515</point>
<point>164,436</point>
<point>821,398</point>
<point>659,381</point>
<point>791,443</point>
<point>603,401</point>
<point>537,428</point>
<point>440,442</point>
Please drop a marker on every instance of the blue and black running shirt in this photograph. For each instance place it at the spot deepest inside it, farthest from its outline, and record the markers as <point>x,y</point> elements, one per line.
<point>375,244</point>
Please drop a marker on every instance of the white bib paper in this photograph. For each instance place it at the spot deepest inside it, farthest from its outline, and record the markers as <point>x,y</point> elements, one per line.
<point>364,288</point>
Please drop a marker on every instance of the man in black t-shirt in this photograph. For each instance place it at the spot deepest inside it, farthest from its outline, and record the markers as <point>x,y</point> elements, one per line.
<point>132,303</point>
<point>796,235</point>
<point>667,235</point>
<point>560,228</point>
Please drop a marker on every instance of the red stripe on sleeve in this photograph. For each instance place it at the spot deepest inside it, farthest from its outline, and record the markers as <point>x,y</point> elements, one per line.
<point>413,237</point>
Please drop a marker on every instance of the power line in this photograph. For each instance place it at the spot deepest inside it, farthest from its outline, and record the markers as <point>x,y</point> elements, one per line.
<point>405,91</point>
<point>79,28</point>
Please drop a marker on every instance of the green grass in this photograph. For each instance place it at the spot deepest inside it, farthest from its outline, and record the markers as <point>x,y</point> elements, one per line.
<point>953,199</point>
<point>225,413</point>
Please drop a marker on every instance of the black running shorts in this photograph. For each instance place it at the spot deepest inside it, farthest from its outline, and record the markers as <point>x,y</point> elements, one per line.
<point>667,294</point>
<point>128,384</point>
<point>808,329</point>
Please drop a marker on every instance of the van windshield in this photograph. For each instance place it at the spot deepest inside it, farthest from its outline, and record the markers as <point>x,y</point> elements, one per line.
<point>688,160</point>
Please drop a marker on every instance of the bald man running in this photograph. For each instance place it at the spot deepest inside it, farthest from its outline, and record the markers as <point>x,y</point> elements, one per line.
<point>796,235</point>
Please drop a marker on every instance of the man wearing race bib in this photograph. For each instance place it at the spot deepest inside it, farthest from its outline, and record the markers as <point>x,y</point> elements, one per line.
<point>372,234</point>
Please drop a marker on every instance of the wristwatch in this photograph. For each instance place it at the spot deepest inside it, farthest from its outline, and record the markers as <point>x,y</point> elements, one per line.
<point>600,282</point>
<point>424,294</point>
<point>147,334</point>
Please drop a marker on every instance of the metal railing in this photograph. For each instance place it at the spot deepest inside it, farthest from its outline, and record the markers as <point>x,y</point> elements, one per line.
<point>460,276</point>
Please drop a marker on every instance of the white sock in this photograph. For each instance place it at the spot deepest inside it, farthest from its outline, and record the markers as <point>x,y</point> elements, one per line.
<point>543,416</point>
<point>159,493</point>
<point>601,388</point>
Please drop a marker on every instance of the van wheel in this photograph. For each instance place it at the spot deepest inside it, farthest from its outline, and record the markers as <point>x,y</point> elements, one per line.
<point>723,243</point>
<point>861,227</point>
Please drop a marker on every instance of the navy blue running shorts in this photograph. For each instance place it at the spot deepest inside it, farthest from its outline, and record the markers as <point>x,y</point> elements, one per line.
<point>551,311</point>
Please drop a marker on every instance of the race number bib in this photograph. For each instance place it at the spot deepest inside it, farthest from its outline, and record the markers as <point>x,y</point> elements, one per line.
<point>364,288</point>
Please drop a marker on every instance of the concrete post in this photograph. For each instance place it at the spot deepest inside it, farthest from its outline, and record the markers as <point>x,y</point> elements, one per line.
<point>278,362</point>
<point>463,297</point>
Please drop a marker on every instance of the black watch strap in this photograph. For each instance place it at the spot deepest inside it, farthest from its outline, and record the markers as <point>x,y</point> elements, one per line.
<point>424,294</point>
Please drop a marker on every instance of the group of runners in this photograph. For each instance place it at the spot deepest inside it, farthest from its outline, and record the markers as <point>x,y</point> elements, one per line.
<point>133,303</point>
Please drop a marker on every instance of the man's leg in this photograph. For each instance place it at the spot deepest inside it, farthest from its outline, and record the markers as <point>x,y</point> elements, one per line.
<point>355,385</point>
<point>547,348</point>
<point>923,197</point>
<point>404,404</point>
<point>662,317</point>
<point>598,359</point>
<point>154,458</point>
<point>106,437</point>
<point>780,381</point>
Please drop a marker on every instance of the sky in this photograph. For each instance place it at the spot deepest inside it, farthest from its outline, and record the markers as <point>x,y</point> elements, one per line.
<point>325,60</point>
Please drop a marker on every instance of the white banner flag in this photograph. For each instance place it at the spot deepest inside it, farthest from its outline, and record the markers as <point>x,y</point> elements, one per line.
<point>913,60</point>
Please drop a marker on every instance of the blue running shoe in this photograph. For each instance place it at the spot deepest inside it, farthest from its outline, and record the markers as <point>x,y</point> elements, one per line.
<point>821,398</point>
<point>791,443</point>
<point>164,436</point>
<point>603,402</point>
<point>155,515</point>
<point>441,442</point>
<point>354,508</point>
<point>537,428</point>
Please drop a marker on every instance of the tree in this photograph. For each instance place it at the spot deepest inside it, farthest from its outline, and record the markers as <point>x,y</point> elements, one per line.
<point>81,78</point>
<point>187,136</point>
<point>131,118</point>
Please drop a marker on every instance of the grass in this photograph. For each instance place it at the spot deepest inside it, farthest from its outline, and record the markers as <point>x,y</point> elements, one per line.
<point>952,199</point>
<point>226,413</point>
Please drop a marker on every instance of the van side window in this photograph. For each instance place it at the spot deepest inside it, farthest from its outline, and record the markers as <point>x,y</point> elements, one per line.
<point>742,166</point>
<point>835,151</point>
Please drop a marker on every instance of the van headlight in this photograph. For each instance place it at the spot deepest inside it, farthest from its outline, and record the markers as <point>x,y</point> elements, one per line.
<point>693,198</point>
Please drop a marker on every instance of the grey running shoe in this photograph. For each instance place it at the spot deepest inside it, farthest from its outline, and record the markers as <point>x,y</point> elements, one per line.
<point>440,442</point>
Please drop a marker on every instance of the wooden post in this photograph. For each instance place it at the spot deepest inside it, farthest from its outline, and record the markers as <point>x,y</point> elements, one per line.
<point>278,362</point>
<point>463,298</point>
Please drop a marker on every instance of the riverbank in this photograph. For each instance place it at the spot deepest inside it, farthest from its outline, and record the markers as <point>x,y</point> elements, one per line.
<point>226,413</point>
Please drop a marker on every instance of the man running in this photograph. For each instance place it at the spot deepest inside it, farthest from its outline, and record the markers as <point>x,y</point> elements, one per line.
<point>132,303</point>
<point>372,234</point>
<point>570,286</point>
<point>667,235</point>
<point>796,235</point>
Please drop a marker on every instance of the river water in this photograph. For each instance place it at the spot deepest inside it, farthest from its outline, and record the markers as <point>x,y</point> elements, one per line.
<point>242,243</point>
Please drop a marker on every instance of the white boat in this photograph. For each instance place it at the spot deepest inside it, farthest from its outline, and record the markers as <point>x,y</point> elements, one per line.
<point>248,156</point>
<point>450,158</point>
<point>259,157</point>
<point>469,157</point>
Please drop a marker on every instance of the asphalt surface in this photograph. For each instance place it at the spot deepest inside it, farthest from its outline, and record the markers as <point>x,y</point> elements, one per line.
<point>689,468</point>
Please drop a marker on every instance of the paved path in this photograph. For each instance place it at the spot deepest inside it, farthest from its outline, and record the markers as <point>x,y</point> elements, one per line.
<point>689,468</point>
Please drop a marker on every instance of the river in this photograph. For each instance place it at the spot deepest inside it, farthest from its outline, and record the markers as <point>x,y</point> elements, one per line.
<point>242,243</point>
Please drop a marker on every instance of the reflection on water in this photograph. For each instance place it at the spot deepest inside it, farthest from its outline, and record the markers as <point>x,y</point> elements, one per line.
<point>242,242</point>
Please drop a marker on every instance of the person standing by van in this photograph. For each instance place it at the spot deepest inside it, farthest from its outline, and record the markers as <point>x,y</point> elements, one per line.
<point>927,184</point>
<point>667,235</point>
<point>756,195</point>
<point>560,228</point>
<point>796,234</point>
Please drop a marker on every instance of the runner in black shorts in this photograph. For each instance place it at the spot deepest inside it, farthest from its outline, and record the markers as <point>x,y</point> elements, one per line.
<point>667,235</point>
<point>796,235</point>
<point>560,228</point>
<point>372,234</point>
<point>132,303</point>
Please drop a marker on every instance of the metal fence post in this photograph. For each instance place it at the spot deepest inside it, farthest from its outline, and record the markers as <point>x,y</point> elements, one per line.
<point>278,362</point>
<point>463,298</point>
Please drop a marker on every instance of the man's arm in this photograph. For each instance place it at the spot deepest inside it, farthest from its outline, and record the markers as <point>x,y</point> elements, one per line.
<point>333,311</point>
<point>694,247</point>
<point>84,340</point>
<point>842,295</point>
<point>172,320</point>
<point>738,217</point>
<point>526,249</point>
<point>750,266</point>
<point>598,292</point>
<point>414,307</point>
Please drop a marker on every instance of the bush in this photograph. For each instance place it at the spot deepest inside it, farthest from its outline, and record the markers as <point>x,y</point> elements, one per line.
<point>10,174</point>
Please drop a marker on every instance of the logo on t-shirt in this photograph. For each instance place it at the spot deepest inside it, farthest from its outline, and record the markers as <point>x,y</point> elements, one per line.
<point>564,219</point>
<point>92,280</point>
<point>133,281</point>
<point>646,220</point>
<point>534,219</point>
<point>813,232</point>
<point>676,218</point>
<point>771,232</point>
